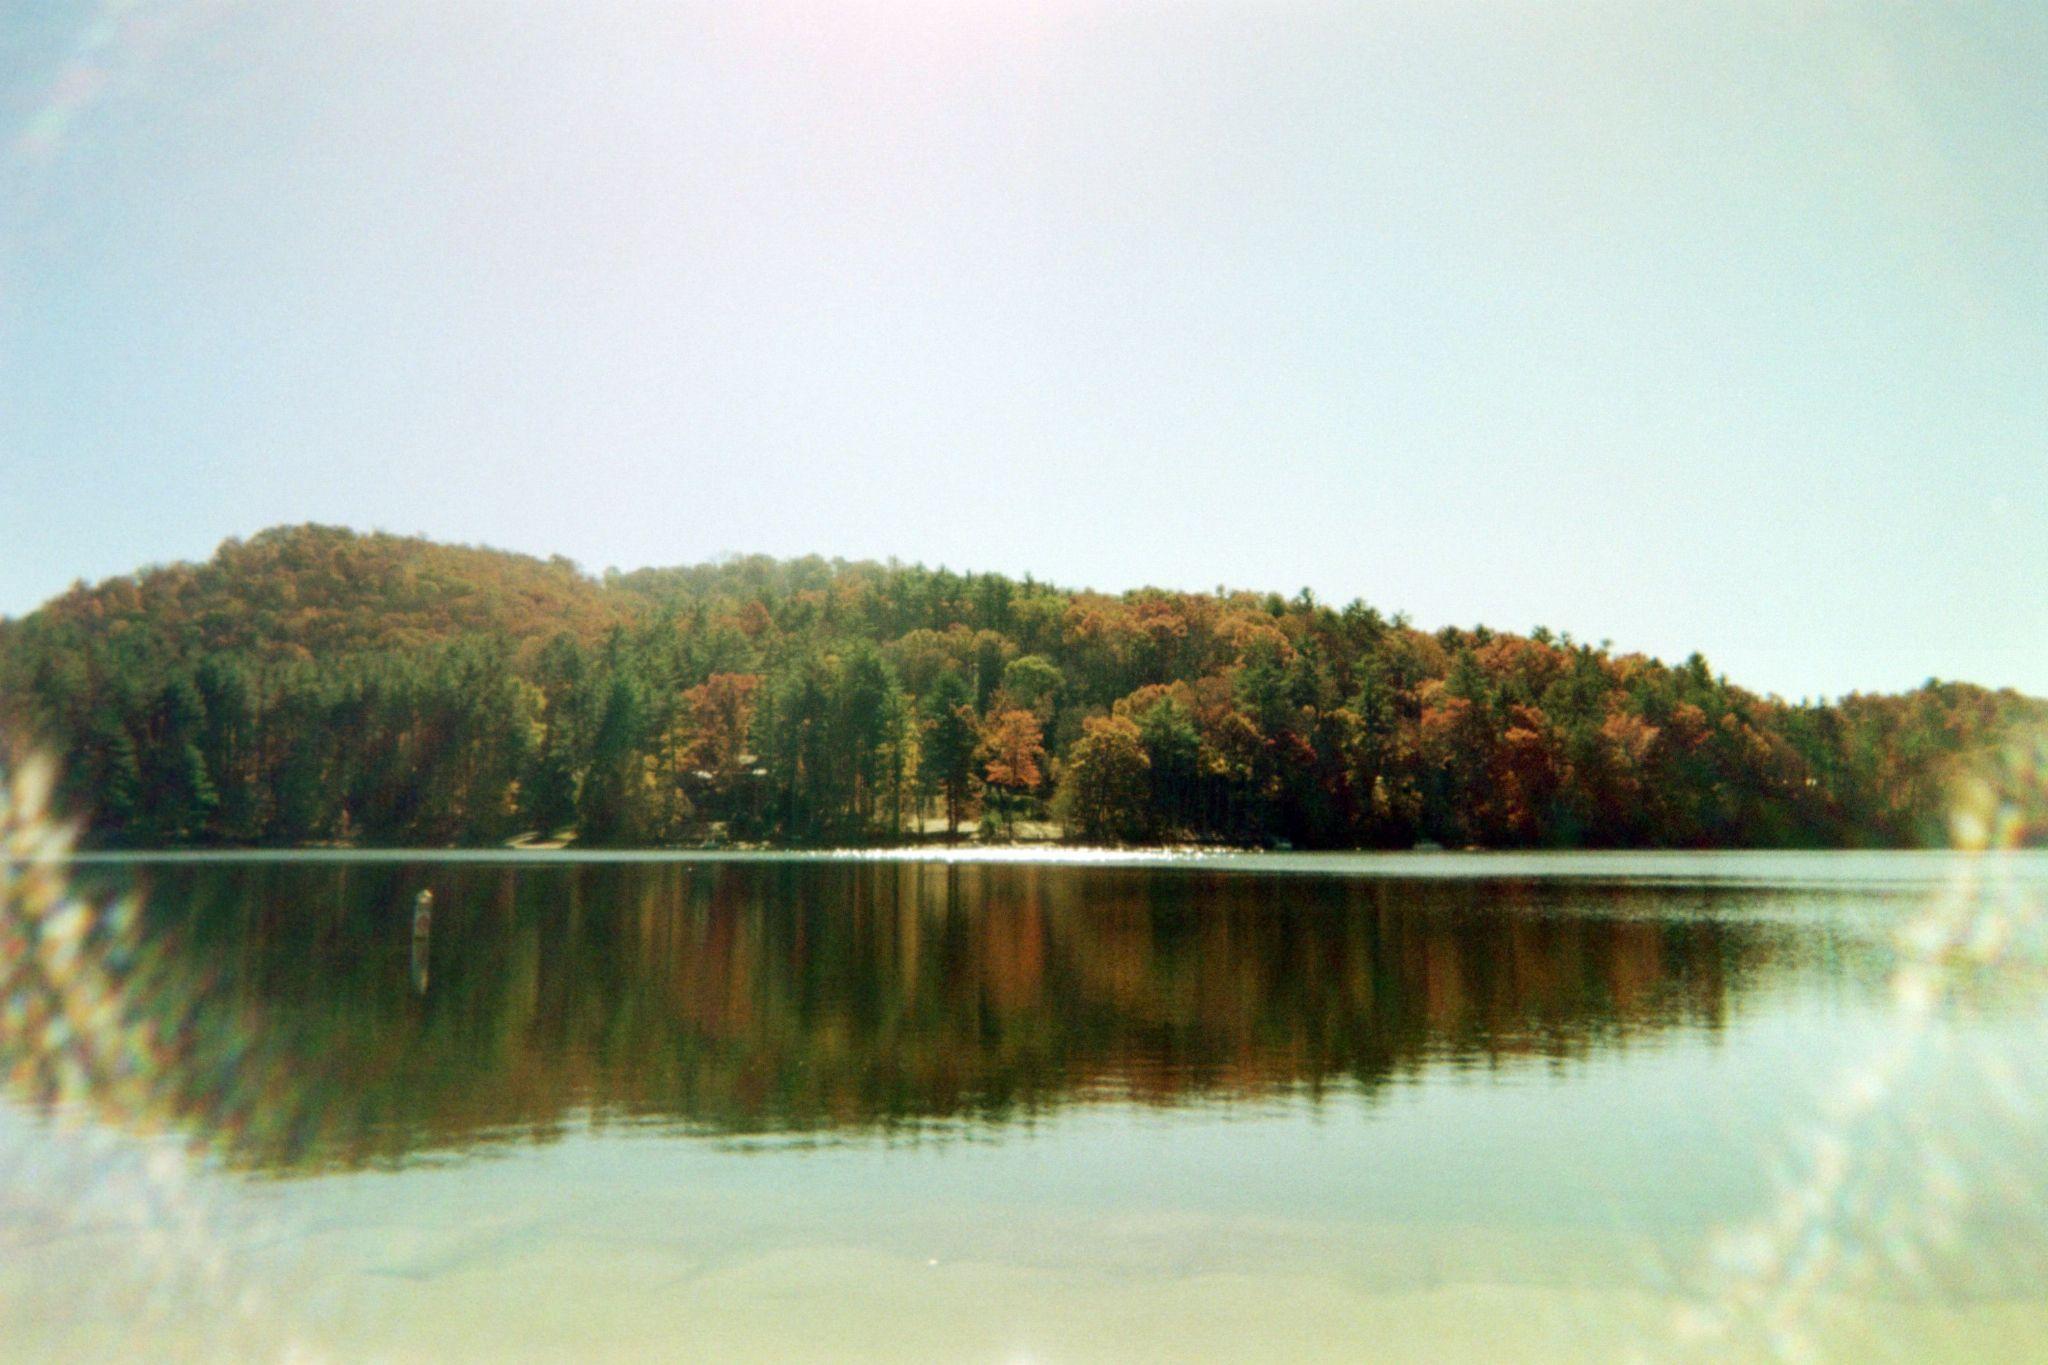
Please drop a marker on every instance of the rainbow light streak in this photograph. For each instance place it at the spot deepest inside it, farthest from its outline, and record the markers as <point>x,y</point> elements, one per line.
<point>88,1035</point>
<point>1876,1189</point>
<point>121,37</point>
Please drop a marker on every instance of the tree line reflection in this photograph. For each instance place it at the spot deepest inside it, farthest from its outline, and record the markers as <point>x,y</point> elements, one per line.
<point>302,1022</point>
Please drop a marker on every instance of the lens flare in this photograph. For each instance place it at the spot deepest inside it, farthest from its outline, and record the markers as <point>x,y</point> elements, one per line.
<point>1874,1194</point>
<point>120,37</point>
<point>87,1034</point>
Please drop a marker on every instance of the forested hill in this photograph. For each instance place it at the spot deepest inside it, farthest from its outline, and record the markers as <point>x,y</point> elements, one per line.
<point>319,592</point>
<point>316,685</point>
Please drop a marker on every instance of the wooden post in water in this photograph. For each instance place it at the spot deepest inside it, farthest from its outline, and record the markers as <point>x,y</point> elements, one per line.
<point>422,928</point>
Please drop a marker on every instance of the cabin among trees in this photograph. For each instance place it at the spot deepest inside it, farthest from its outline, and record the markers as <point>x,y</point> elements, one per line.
<point>315,685</point>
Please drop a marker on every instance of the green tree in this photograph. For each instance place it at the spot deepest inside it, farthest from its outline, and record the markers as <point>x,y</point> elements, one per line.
<point>1173,765</point>
<point>611,804</point>
<point>950,740</point>
<point>868,716</point>
<point>1034,682</point>
<point>1105,791</point>
<point>797,732</point>
<point>179,790</point>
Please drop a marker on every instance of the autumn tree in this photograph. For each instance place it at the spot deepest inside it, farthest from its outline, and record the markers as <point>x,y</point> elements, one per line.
<point>1013,752</point>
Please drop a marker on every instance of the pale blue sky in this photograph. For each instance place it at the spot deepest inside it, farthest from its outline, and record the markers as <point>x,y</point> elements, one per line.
<point>1692,325</point>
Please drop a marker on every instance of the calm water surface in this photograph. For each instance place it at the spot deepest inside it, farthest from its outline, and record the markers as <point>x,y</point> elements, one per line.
<point>1248,1108</point>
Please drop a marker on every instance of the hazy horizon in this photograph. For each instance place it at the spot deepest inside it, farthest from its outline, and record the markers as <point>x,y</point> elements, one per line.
<point>1691,329</point>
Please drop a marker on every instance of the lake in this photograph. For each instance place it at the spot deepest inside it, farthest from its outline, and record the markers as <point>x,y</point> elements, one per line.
<point>1038,1108</point>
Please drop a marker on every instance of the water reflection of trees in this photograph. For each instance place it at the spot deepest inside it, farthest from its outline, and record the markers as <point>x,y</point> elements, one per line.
<point>766,998</point>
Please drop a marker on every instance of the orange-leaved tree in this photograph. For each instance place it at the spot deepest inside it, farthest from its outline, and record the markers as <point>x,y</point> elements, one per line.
<point>1013,749</point>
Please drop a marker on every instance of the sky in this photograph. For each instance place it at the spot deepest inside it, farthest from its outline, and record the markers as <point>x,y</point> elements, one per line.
<point>1702,325</point>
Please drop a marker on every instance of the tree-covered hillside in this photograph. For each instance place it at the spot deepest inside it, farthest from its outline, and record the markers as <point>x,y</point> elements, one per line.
<point>316,685</point>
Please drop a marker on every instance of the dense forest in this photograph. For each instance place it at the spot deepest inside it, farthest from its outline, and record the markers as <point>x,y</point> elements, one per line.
<point>315,685</point>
